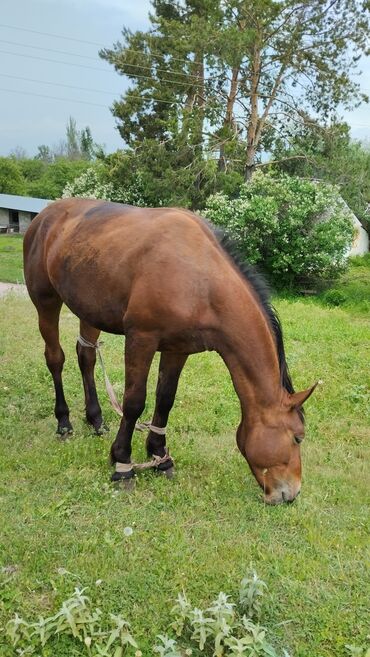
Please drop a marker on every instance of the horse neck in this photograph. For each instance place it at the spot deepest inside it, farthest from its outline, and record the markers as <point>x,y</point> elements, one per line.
<point>248,348</point>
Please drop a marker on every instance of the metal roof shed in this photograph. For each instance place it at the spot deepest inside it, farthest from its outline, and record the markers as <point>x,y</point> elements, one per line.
<point>17,212</point>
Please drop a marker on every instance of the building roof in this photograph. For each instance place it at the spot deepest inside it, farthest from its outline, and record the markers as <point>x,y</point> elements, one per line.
<point>23,203</point>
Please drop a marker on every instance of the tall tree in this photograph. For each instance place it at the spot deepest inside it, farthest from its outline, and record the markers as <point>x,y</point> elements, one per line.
<point>44,153</point>
<point>73,140</point>
<point>224,75</point>
<point>301,57</point>
<point>86,144</point>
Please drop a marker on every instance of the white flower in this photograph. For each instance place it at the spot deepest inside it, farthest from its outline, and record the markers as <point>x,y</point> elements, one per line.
<point>128,531</point>
<point>88,641</point>
<point>98,582</point>
<point>62,571</point>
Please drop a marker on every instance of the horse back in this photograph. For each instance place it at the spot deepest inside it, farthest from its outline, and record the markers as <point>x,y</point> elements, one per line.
<point>117,266</point>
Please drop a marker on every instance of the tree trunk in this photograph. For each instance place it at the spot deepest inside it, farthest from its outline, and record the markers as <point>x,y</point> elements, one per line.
<point>253,119</point>
<point>197,138</point>
<point>228,121</point>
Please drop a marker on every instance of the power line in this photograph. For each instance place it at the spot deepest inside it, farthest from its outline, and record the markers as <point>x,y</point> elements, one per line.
<point>58,84</point>
<point>94,59</point>
<point>69,100</point>
<point>95,68</point>
<point>85,102</point>
<point>58,36</point>
<point>54,61</point>
<point>59,52</point>
<point>91,43</point>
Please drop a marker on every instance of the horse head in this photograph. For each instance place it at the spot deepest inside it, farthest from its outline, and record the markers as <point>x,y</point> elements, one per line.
<point>271,446</point>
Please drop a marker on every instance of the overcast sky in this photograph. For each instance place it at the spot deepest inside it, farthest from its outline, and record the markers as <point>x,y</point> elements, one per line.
<point>30,30</point>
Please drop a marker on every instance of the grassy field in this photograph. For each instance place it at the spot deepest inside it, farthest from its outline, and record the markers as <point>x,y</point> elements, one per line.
<point>11,259</point>
<point>62,523</point>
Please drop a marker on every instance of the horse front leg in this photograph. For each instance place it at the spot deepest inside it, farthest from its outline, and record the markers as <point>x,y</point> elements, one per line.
<point>170,368</point>
<point>86,360</point>
<point>139,353</point>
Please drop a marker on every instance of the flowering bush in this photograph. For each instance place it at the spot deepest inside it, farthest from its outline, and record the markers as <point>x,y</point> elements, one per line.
<point>299,231</point>
<point>94,183</point>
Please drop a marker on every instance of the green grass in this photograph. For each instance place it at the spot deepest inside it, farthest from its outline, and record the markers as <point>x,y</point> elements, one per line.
<point>352,291</point>
<point>11,259</point>
<point>202,530</point>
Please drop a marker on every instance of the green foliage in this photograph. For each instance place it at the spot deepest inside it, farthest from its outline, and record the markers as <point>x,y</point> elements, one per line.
<point>211,79</point>
<point>219,630</point>
<point>329,154</point>
<point>95,183</point>
<point>76,618</point>
<point>353,289</point>
<point>35,177</point>
<point>251,591</point>
<point>55,177</point>
<point>334,297</point>
<point>298,231</point>
<point>11,179</point>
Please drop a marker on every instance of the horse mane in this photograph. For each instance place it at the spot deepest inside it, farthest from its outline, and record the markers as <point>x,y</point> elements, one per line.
<point>262,292</point>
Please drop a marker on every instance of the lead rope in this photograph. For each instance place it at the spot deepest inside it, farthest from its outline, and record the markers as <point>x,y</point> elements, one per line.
<point>140,426</point>
<point>85,343</point>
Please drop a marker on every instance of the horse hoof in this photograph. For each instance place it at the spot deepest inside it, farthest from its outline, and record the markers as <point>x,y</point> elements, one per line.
<point>124,480</point>
<point>100,431</point>
<point>64,431</point>
<point>169,473</point>
<point>165,467</point>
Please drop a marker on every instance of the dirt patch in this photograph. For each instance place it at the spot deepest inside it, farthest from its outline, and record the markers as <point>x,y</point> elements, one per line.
<point>12,288</point>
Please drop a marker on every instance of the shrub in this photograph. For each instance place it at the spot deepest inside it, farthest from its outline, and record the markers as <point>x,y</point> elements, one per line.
<point>297,230</point>
<point>94,183</point>
<point>335,297</point>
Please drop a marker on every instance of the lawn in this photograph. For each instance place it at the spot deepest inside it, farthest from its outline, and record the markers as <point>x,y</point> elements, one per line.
<point>11,259</point>
<point>63,523</point>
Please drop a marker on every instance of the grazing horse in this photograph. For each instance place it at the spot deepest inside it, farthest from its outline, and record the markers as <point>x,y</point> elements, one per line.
<point>162,278</point>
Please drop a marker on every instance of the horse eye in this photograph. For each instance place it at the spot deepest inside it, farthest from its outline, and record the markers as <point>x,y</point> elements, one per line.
<point>298,439</point>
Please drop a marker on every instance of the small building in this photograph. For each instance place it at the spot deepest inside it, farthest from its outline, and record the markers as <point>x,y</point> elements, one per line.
<point>17,212</point>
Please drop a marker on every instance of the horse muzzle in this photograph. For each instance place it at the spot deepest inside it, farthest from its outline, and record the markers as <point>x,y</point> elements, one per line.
<point>286,493</point>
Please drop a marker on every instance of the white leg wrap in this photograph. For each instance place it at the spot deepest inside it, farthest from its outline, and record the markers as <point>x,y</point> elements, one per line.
<point>123,467</point>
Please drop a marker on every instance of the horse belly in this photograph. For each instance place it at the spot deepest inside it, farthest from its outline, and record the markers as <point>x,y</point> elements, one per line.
<point>94,295</point>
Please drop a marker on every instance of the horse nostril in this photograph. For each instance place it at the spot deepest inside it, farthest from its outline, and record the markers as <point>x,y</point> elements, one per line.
<point>285,498</point>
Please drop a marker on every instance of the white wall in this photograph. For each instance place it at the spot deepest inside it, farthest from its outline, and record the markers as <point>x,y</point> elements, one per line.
<point>360,244</point>
<point>4,216</point>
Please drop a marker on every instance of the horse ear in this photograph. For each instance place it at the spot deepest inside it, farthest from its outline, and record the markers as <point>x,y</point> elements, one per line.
<point>297,399</point>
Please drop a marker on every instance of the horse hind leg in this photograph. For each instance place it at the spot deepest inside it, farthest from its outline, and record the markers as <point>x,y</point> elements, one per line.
<point>86,360</point>
<point>170,368</point>
<point>49,313</point>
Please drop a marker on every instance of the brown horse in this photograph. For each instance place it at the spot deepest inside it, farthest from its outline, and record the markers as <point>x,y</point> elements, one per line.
<point>163,279</point>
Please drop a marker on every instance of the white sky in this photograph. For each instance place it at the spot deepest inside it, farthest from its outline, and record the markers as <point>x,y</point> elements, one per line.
<point>28,119</point>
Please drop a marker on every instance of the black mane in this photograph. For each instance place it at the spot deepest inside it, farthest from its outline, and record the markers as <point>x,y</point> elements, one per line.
<point>262,292</point>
